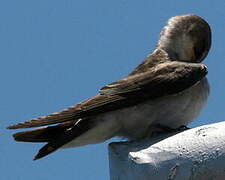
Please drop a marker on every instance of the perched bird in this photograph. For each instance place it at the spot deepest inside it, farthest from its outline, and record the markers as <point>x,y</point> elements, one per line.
<point>168,89</point>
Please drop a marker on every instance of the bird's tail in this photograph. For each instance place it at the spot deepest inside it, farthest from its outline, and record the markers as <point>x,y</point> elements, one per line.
<point>55,136</point>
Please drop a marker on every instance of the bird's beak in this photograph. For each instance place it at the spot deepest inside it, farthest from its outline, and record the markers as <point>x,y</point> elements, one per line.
<point>193,55</point>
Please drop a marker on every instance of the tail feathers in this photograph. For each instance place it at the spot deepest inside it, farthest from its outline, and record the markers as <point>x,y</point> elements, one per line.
<point>44,134</point>
<point>45,150</point>
<point>68,135</point>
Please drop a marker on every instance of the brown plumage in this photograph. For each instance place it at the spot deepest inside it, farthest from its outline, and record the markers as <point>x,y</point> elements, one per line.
<point>169,75</point>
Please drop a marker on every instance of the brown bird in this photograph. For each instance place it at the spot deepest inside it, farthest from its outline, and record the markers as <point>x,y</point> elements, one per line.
<point>167,89</point>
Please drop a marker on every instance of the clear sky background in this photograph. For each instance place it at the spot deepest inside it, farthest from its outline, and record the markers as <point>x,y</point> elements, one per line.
<point>57,53</point>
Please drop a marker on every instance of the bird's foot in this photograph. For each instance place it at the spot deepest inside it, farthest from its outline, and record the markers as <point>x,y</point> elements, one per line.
<point>183,128</point>
<point>164,128</point>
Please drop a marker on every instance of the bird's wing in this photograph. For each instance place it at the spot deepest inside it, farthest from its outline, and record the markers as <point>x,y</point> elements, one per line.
<point>157,57</point>
<point>164,79</point>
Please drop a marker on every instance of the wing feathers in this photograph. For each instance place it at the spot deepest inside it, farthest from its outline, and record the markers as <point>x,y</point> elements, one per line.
<point>86,108</point>
<point>162,80</point>
<point>177,74</point>
<point>44,134</point>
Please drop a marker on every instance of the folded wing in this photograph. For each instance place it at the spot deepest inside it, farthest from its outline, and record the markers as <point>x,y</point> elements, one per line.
<point>164,79</point>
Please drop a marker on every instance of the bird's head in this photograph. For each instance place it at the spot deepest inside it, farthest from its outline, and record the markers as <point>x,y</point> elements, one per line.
<point>186,38</point>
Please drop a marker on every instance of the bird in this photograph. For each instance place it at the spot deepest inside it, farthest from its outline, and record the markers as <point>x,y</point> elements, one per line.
<point>168,89</point>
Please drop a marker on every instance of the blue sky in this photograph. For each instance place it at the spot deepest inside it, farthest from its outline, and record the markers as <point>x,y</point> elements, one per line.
<point>57,53</point>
